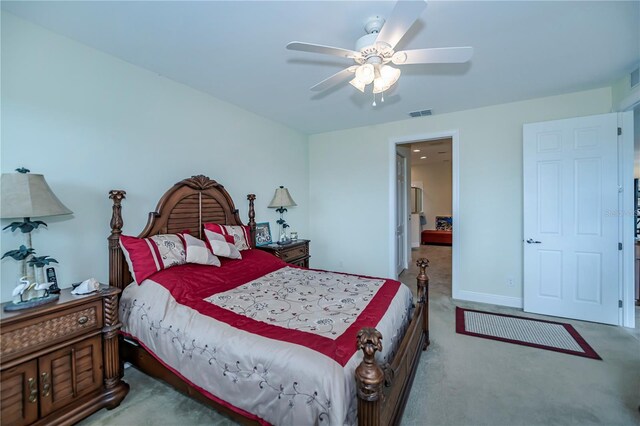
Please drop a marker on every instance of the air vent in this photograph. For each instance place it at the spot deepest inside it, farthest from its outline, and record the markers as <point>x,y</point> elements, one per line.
<point>635,77</point>
<point>422,113</point>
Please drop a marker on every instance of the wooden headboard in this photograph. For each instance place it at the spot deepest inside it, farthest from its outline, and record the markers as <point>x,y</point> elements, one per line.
<point>185,206</point>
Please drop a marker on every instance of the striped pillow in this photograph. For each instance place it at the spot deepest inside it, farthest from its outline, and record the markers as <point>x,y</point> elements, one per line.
<point>146,256</point>
<point>240,234</point>
<point>222,245</point>
<point>198,252</point>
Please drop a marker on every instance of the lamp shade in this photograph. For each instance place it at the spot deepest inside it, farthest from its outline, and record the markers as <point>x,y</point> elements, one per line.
<point>282,198</point>
<point>28,195</point>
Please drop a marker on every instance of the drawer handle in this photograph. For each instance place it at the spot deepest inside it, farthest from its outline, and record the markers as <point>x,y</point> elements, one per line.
<point>33,391</point>
<point>46,386</point>
<point>83,320</point>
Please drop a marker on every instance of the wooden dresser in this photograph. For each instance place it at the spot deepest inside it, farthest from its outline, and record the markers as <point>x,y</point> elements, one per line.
<point>295,253</point>
<point>59,362</point>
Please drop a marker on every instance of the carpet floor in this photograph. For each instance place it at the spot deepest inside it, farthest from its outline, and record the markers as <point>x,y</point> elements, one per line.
<point>462,380</point>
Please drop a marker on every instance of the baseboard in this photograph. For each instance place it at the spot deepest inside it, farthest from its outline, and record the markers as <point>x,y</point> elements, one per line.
<point>494,299</point>
<point>415,245</point>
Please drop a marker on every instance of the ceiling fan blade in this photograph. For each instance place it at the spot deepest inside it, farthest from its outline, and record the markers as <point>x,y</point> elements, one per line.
<point>442,55</point>
<point>404,14</point>
<point>319,48</point>
<point>337,78</point>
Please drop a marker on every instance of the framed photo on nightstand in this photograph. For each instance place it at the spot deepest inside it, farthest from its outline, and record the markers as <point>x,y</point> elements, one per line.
<point>263,234</point>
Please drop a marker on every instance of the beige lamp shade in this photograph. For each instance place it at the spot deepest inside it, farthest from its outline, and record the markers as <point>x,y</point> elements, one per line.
<point>282,198</point>
<point>28,195</point>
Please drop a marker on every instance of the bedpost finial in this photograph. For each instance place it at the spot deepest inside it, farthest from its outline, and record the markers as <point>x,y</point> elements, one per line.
<point>370,341</point>
<point>369,375</point>
<point>422,278</point>
<point>117,195</point>
<point>422,263</point>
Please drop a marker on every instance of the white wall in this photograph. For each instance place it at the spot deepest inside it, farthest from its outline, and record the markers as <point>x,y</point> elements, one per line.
<point>349,189</point>
<point>90,123</point>
<point>436,186</point>
<point>623,96</point>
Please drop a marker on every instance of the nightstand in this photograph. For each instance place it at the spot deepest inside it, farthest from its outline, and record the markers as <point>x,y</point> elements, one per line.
<point>59,362</point>
<point>295,253</point>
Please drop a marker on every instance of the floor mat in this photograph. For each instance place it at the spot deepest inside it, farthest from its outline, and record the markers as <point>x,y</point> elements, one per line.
<point>553,336</point>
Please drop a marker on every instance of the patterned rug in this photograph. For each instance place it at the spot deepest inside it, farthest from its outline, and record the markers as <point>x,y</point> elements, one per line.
<point>553,336</point>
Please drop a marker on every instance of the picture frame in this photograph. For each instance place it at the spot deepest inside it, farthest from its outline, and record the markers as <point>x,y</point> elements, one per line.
<point>444,223</point>
<point>263,234</point>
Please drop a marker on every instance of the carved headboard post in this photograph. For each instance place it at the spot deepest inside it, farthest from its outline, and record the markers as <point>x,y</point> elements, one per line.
<point>252,218</point>
<point>116,258</point>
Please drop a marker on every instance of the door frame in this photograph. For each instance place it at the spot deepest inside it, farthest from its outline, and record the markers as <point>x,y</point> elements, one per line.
<point>406,240</point>
<point>455,196</point>
<point>627,316</point>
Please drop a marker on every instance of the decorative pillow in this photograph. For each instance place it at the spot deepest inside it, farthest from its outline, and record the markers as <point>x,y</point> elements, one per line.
<point>146,256</point>
<point>222,245</point>
<point>240,234</point>
<point>198,252</point>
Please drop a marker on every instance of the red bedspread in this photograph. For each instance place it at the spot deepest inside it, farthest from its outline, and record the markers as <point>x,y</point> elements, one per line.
<point>191,284</point>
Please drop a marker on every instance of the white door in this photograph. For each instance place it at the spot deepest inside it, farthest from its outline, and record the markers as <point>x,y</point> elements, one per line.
<point>402,214</point>
<point>571,238</point>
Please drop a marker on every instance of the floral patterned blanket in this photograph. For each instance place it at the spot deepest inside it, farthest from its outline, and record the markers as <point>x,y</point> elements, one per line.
<point>273,342</point>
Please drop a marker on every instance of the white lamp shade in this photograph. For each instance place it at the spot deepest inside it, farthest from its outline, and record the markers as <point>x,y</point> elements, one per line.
<point>358,84</point>
<point>28,195</point>
<point>388,77</point>
<point>282,198</point>
<point>365,73</point>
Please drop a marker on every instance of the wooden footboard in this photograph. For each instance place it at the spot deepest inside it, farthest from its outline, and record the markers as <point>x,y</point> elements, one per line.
<point>383,389</point>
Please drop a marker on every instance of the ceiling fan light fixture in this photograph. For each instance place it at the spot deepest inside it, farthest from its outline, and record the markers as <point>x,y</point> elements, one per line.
<point>358,84</point>
<point>376,49</point>
<point>365,73</point>
<point>388,77</point>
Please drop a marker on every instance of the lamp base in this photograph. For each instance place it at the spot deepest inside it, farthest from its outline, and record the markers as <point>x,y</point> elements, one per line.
<point>32,303</point>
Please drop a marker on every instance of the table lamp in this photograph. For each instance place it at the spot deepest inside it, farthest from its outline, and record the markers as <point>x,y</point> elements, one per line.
<point>281,200</point>
<point>26,195</point>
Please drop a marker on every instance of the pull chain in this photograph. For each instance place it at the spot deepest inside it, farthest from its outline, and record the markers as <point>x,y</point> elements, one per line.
<point>374,100</point>
<point>382,97</point>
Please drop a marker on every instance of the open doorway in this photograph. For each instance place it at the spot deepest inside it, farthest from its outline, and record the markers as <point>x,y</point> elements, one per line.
<point>431,207</point>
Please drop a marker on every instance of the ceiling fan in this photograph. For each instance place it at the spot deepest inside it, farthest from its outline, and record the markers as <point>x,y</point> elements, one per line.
<point>374,52</point>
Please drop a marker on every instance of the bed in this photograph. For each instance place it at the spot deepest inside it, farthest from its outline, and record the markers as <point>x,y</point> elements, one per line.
<point>191,325</point>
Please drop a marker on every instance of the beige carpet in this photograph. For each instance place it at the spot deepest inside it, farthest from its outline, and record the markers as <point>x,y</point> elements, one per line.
<point>462,380</point>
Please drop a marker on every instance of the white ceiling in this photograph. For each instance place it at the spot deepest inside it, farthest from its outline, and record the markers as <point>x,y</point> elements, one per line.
<point>436,151</point>
<point>236,51</point>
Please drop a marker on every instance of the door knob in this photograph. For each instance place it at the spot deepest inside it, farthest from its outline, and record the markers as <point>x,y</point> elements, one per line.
<point>532,241</point>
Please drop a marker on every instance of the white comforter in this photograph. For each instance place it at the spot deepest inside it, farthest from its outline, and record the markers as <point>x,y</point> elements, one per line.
<point>267,379</point>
